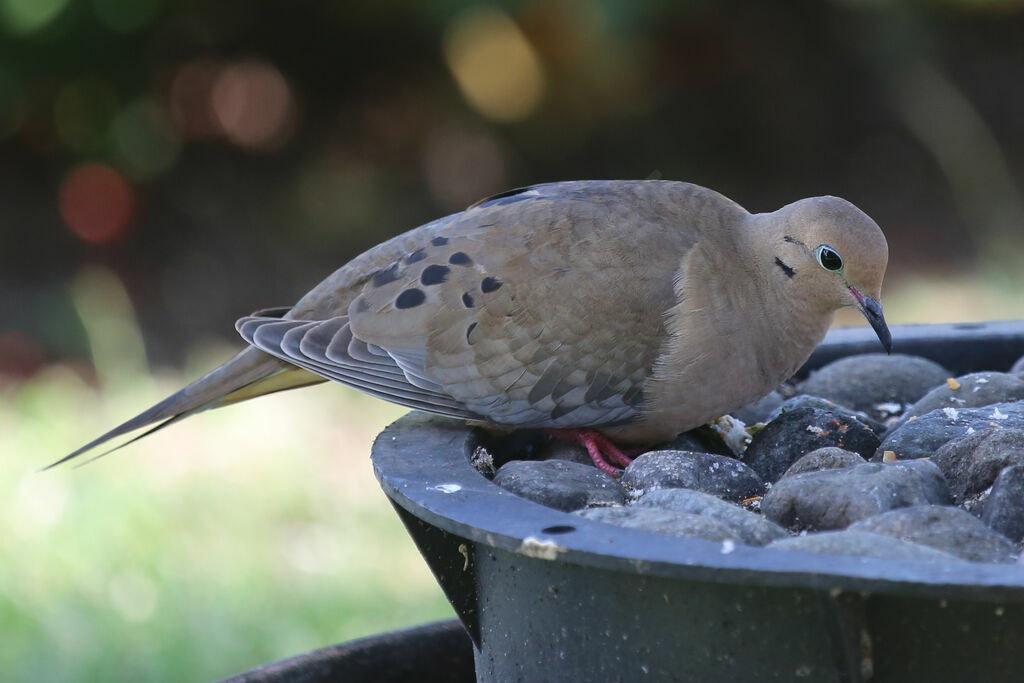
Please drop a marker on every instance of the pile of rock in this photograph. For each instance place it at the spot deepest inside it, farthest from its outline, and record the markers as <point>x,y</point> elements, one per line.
<point>872,455</point>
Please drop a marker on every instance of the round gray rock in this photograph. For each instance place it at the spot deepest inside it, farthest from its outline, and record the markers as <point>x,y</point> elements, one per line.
<point>924,435</point>
<point>749,527</point>
<point>1004,508</point>
<point>878,384</point>
<point>972,462</point>
<point>718,475</point>
<point>664,521</point>
<point>944,528</point>
<point>968,391</point>
<point>812,424</point>
<point>560,484</point>
<point>828,458</point>
<point>862,544</point>
<point>834,499</point>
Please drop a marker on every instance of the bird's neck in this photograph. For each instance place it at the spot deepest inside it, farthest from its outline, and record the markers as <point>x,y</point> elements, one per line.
<point>797,321</point>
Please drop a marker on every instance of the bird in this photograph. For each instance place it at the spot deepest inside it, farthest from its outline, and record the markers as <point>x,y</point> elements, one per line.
<point>608,312</point>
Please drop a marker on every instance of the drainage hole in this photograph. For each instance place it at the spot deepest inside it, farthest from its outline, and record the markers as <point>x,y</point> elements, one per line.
<point>558,529</point>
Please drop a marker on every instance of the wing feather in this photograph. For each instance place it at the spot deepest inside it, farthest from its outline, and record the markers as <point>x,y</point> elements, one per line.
<point>303,343</point>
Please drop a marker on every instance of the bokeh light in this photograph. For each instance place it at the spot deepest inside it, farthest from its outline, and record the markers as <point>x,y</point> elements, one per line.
<point>96,203</point>
<point>494,64</point>
<point>190,93</point>
<point>144,139</point>
<point>28,16</point>
<point>248,102</point>
<point>253,104</point>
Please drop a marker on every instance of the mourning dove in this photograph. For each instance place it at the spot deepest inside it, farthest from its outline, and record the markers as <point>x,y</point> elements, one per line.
<point>603,311</point>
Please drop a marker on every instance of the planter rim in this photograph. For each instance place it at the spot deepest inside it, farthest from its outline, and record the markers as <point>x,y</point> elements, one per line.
<point>422,463</point>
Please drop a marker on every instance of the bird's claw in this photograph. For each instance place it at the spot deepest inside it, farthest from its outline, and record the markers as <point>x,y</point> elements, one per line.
<point>599,447</point>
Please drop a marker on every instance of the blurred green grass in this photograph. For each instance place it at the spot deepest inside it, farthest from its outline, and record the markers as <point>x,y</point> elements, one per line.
<point>234,538</point>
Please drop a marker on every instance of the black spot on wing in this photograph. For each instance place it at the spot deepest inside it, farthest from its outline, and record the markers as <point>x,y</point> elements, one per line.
<point>469,331</point>
<point>434,274</point>
<point>490,284</point>
<point>415,256</point>
<point>460,258</point>
<point>785,269</point>
<point>410,298</point>
<point>467,300</point>
<point>386,276</point>
<point>439,241</point>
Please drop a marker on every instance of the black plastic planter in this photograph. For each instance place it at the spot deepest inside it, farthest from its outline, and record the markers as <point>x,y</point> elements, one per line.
<point>549,596</point>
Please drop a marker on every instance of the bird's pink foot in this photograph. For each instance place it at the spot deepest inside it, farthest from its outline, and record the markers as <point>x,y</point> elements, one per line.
<point>600,448</point>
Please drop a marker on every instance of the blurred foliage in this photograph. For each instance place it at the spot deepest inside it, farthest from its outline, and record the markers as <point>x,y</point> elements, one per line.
<point>169,165</point>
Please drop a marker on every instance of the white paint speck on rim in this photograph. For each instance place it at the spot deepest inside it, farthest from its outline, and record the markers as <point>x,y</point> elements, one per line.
<point>540,548</point>
<point>446,488</point>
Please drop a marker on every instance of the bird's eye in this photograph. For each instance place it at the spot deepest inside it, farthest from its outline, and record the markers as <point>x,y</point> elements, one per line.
<point>829,258</point>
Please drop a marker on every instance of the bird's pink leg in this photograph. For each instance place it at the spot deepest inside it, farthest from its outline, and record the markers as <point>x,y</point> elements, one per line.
<point>599,447</point>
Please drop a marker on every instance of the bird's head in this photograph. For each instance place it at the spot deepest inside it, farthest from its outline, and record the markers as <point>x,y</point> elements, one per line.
<point>835,254</point>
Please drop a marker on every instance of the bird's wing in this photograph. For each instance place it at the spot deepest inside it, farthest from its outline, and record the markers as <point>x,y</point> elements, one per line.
<point>544,308</point>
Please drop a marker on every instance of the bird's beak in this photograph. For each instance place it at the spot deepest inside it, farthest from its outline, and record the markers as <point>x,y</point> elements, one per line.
<point>872,310</point>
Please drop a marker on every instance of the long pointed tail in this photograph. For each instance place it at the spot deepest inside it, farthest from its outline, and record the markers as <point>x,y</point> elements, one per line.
<point>249,374</point>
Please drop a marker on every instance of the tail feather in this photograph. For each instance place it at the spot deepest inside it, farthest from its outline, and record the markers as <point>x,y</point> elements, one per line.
<point>249,374</point>
<point>156,428</point>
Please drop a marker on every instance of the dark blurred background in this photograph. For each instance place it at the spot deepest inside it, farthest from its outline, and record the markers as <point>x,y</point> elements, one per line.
<point>224,156</point>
